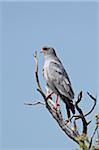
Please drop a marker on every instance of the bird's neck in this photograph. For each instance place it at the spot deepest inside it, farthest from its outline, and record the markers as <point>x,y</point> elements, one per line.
<point>46,57</point>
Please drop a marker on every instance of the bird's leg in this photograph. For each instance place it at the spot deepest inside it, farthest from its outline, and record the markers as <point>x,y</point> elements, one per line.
<point>49,96</point>
<point>56,103</point>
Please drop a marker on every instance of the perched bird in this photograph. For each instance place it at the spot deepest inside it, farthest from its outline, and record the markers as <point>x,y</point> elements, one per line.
<point>57,80</point>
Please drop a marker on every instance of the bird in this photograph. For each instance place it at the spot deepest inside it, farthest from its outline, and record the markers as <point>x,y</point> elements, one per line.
<point>57,80</point>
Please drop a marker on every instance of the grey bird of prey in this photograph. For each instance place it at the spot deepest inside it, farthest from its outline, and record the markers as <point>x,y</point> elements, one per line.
<point>57,80</point>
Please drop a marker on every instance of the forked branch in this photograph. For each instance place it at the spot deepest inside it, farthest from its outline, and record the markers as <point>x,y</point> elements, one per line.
<point>68,126</point>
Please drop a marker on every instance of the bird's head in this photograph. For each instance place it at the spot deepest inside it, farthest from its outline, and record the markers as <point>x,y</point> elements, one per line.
<point>48,51</point>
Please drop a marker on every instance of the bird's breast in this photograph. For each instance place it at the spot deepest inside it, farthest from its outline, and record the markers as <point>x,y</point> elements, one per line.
<point>45,71</point>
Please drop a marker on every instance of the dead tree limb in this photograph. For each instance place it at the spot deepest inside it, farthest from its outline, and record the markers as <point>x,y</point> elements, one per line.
<point>84,122</point>
<point>94,99</point>
<point>33,104</point>
<point>89,112</point>
<point>49,105</point>
<point>94,132</point>
<point>69,127</point>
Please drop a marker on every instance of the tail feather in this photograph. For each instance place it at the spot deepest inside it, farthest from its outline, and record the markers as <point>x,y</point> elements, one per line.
<point>69,106</point>
<point>69,103</point>
<point>68,111</point>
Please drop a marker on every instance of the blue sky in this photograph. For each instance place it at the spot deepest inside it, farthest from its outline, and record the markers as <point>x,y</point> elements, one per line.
<point>72,29</point>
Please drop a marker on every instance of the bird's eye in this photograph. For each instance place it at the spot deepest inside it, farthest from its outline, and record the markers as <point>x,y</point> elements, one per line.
<point>45,48</point>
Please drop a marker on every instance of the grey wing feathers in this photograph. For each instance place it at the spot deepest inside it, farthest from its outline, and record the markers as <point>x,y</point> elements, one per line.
<point>60,79</point>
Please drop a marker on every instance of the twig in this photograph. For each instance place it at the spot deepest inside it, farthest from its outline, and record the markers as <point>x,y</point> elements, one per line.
<point>79,116</point>
<point>33,104</point>
<point>84,122</point>
<point>36,71</point>
<point>95,130</point>
<point>90,144</point>
<point>94,99</point>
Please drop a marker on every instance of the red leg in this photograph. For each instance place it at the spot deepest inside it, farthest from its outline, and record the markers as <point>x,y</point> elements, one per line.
<point>56,103</point>
<point>56,99</point>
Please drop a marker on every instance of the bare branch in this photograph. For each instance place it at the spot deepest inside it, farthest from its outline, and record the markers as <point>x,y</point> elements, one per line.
<point>36,70</point>
<point>94,99</point>
<point>95,130</point>
<point>84,122</point>
<point>79,116</point>
<point>93,136</point>
<point>67,126</point>
<point>42,93</point>
<point>56,115</point>
<point>75,126</point>
<point>33,104</point>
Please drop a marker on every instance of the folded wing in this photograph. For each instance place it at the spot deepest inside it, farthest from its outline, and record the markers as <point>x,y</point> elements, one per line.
<point>60,79</point>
